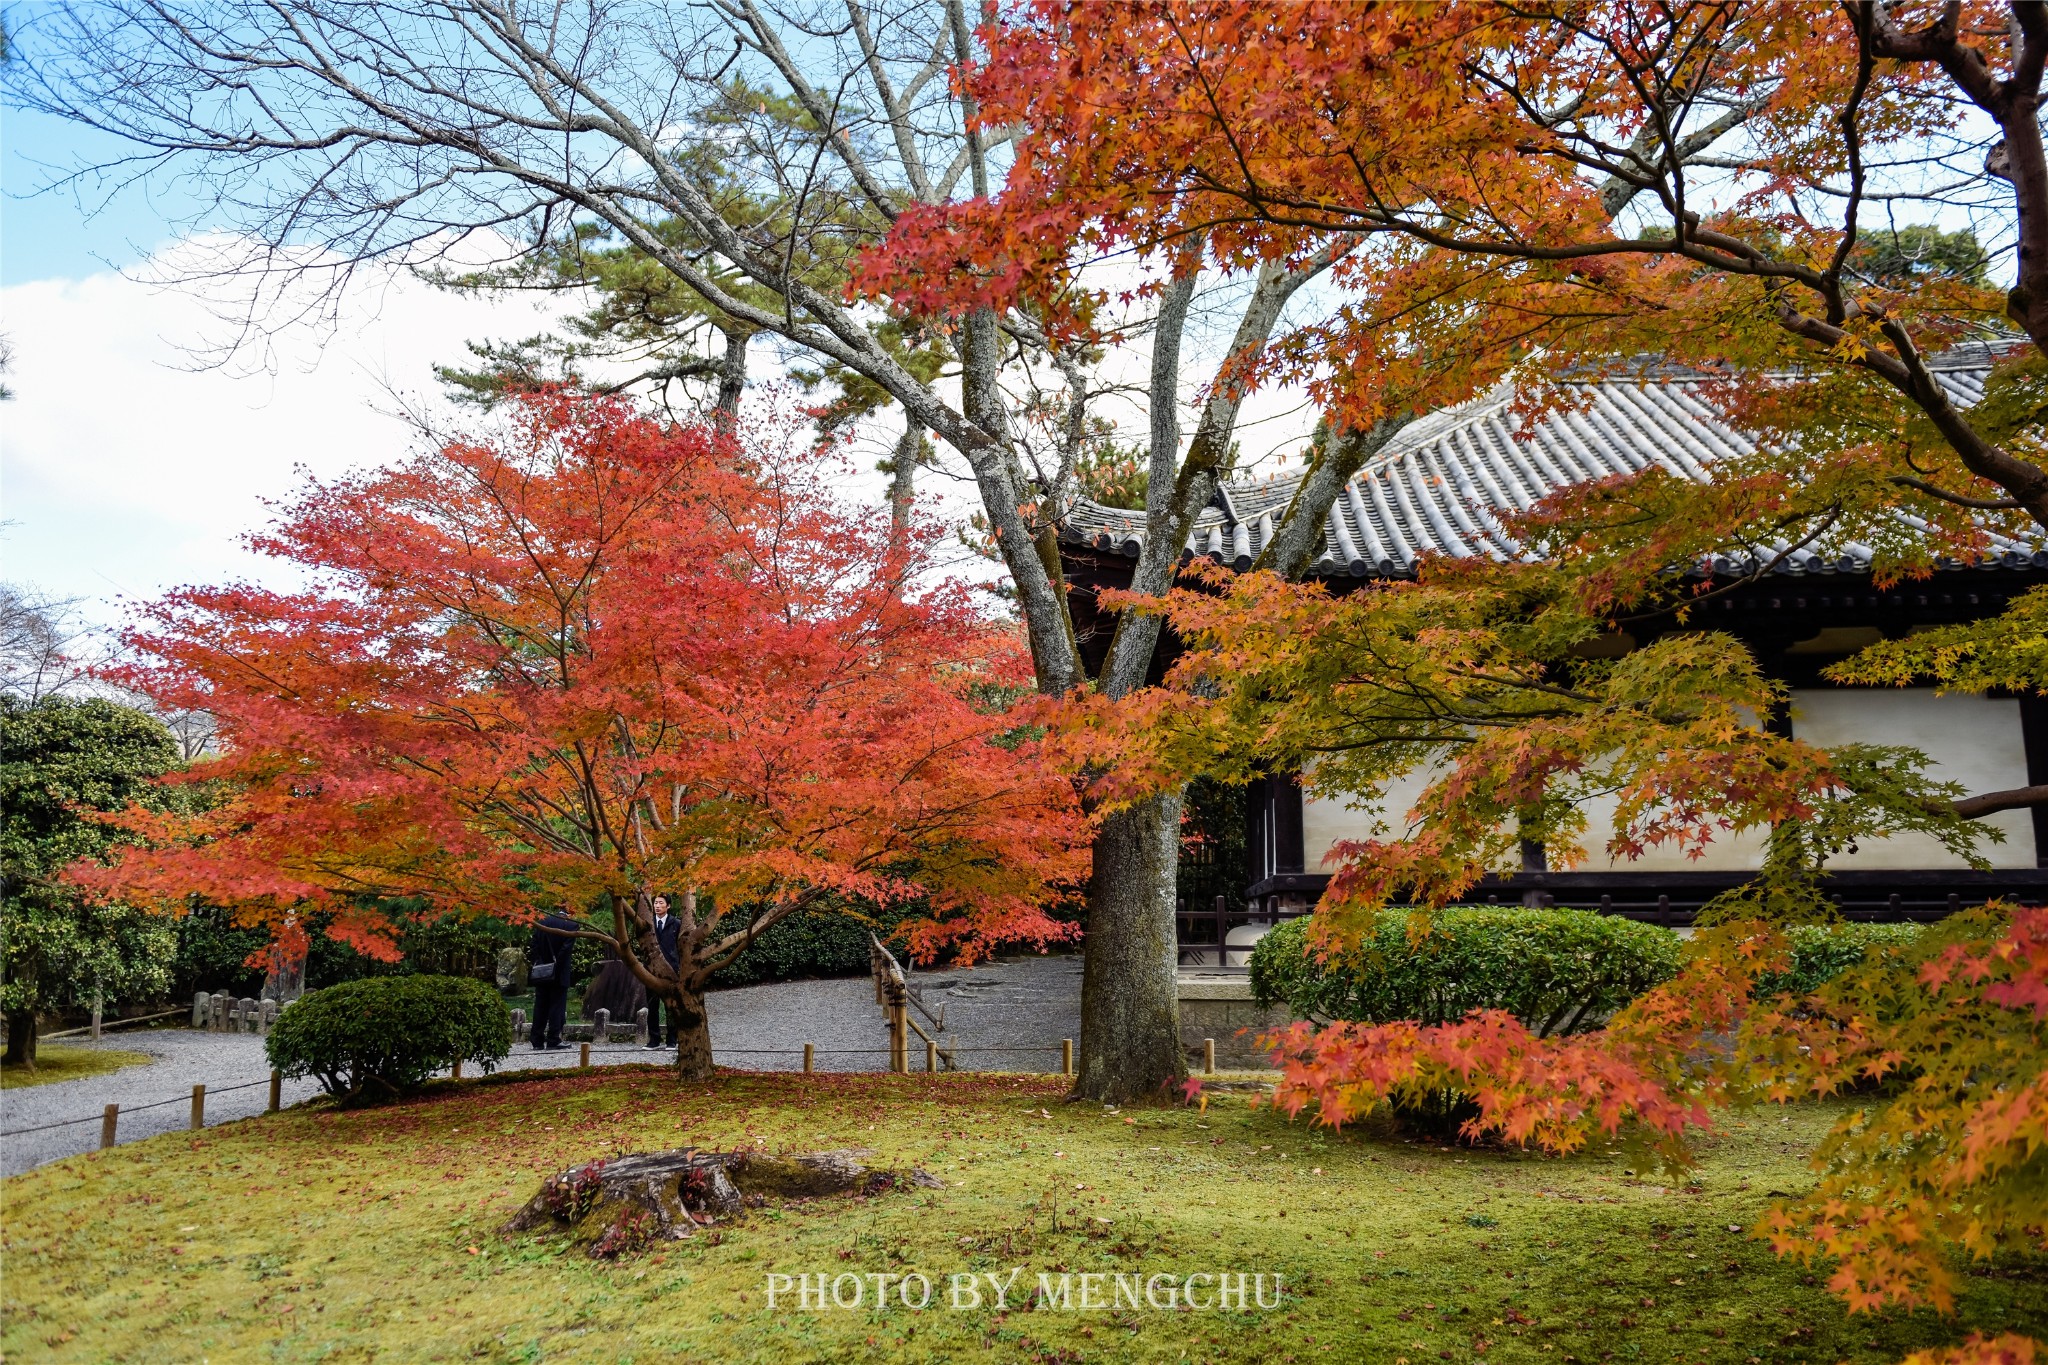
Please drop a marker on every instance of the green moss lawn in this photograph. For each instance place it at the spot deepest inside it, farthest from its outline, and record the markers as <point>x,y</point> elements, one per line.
<point>55,1062</point>
<point>374,1235</point>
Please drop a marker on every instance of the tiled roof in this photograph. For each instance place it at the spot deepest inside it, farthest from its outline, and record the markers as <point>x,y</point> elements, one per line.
<point>1443,483</point>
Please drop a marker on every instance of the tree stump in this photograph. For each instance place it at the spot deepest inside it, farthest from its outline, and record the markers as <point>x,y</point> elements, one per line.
<point>625,1203</point>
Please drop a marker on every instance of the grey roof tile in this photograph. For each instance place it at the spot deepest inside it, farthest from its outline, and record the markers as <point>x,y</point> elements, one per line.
<point>1444,483</point>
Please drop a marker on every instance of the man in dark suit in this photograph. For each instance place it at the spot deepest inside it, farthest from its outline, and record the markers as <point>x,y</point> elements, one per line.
<point>551,955</point>
<point>667,933</point>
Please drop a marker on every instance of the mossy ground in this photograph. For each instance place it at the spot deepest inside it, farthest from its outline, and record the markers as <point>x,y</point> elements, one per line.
<point>374,1235</point>
<point>55,1062</point>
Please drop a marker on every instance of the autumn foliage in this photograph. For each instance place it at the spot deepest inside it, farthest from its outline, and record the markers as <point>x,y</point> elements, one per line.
<point>585,659</point>
<point>1537,195</point>
<point>1953,1154</point>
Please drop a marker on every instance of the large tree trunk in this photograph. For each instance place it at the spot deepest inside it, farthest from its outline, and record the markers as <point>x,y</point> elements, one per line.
<point>1130,1011</point>
<point>21,1039</point>
<point>693,1033</point>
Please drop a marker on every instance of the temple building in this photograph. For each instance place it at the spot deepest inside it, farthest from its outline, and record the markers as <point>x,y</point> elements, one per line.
<point>1441,486</point>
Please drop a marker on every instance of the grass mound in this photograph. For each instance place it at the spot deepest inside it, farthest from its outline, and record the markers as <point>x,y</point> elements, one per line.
<point>56,1062</point>
<point>322,1234</point>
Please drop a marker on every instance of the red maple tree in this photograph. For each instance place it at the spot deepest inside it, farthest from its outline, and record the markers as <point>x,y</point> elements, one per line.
<point>586,660</point>
<point>1549,191</point>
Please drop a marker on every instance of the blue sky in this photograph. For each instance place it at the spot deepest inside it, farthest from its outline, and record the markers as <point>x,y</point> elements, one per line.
<point>125,468</point>
<point>43,236</point>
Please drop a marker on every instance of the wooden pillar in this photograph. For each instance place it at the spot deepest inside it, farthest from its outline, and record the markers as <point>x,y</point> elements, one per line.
<point>808,1052</point>
<point>1208,1056</point>
<point>276,1091</point>
<point>931,1055</point>
<point>1066,1056</point>
<point>584,1058</point>
<point>108,1120</point>
<point>198,1107</point>
<point>899,1037</point>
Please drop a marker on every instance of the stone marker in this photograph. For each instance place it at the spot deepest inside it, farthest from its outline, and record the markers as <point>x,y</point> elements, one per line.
<point>201,1009</point>
<point>640,1026</point>
<point>601,1026</point>
<point>512,971</point>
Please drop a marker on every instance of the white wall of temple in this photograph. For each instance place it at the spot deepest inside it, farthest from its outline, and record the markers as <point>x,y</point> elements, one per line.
<point>1327,819</point>
<point>1972,740</point>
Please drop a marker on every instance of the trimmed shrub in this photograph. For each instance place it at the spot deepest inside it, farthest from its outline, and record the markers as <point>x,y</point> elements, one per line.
<point>811,944</point>
<point>1558,971</point>
<point>384,1035</point>
<point>1822,952</point>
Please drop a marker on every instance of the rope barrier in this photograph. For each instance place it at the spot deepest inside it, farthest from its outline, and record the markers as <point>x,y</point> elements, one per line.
<point>112,1024</point>
<point>136,1108</point>
<point>629,1047</point>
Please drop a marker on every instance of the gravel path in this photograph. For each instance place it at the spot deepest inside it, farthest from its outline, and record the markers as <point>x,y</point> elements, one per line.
<point>1002,1016</point>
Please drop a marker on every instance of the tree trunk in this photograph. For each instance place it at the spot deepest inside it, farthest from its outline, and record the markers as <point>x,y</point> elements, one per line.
<point>21,1039</point>
<point>732,382</point>
<point>903,477</point>
<point>693,1033</point>
<point>1130,1011</point>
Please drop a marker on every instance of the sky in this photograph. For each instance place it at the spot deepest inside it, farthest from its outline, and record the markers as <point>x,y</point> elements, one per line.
<point>128,466</point>
<point>131,464</point>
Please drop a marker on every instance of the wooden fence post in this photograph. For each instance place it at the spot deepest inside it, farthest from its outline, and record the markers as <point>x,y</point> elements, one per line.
<point>1208,1056</point>
<point>807,1059</point>
<point>276,1090</point>
<point>584,1059</point>
<point>198,1107</point>
<point>931,1055</point>
<point>108,1120</point>
<point>1066,1056</point>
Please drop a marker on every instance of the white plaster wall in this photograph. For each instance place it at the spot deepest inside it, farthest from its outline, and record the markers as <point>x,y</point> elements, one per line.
<point>1974,740</point>
<point>1730,851</point>
<point>1327,819</point>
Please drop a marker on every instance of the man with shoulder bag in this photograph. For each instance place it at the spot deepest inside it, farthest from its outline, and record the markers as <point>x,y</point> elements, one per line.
<point>552,954</point>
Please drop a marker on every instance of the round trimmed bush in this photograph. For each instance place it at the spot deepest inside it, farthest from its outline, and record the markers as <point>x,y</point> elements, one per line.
<point>1558,971</point>
<point>1822,952</point>
<point>384,1035</point>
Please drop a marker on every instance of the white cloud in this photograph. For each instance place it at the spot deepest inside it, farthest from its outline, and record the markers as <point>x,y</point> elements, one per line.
<point>127,472</point>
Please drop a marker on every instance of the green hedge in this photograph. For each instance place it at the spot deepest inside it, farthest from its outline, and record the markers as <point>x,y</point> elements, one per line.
<point>1559,971</point>
<point>384,1035</point>
<point>1822,952</point>
<point>811,944</point>
<point>213,952</point>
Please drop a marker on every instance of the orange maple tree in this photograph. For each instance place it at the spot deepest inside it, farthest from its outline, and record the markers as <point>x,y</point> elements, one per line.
<point>1546,192</point>
<point>584,660</point>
